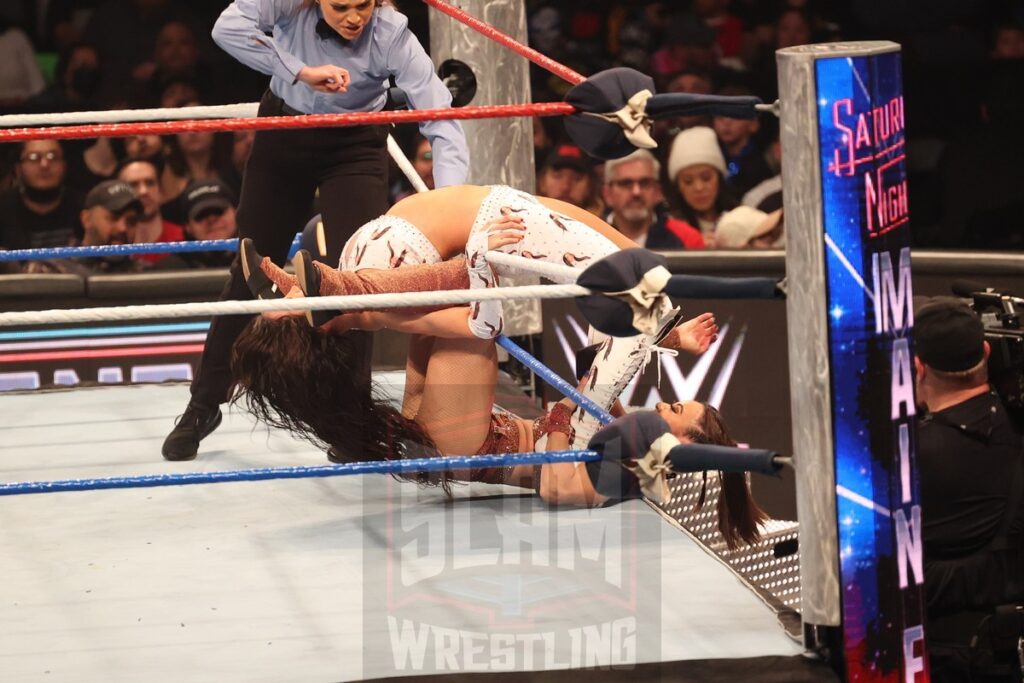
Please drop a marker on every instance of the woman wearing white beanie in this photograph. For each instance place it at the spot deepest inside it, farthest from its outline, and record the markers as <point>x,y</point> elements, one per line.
<point>696,170</point>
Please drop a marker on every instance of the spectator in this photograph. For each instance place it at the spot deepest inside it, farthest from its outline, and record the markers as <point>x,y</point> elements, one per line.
<point>767,195</point>
<point>696,172</point>
<point>633,30</point>
<point>981,176</point>
<point>196,156</point>
<point>77,82</point>
<point>40,211</point>
<point>728,29</point>
<point>970,466</point>
<point>241,148</point>
<point>210,208</point>
<point>423,162</point>
<point>124,32</point>
<point>690,46</point>
<point>633,196</point>
<point>175,58</point>
<point>177,93</point>
<point>792,27</point>
<point>744,163</point>
<point>148,147</point>
<point>20,77</point>
<point>89,162</point>
<point>1008,42</point>
<point>748,228</point>
<point>568,175</point>
<point>691,82</point>
<point>109,216</point>
<point>65,22</point>
<point>151,228</point>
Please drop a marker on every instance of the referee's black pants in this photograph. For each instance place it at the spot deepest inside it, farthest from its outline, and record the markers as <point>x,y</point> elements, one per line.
<point>285,168</point>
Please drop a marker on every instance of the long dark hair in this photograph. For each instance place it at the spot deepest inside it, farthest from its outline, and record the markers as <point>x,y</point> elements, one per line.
<point>308,383</point>
<point>739,515</point>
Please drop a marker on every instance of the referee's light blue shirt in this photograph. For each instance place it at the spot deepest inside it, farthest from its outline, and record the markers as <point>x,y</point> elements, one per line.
<point>385,48</point>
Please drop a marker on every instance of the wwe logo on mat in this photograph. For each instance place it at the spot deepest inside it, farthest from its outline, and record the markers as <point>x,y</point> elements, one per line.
<point>504,582</point>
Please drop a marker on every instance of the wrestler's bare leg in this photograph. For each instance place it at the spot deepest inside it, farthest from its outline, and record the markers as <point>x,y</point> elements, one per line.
<point>458,394</point>
<point>420,348</point>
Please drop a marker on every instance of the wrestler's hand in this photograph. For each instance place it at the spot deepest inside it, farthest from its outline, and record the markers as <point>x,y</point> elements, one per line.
<point>326,78</point>
<point>504,231</point>
<point>694,336</point>
<point>357,320</point>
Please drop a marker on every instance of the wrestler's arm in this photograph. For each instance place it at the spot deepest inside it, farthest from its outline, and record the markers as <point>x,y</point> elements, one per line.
<point>449,323</point>
<point>567,483</point>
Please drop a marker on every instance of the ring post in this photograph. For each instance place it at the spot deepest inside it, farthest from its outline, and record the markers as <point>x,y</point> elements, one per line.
<point>849,322</point>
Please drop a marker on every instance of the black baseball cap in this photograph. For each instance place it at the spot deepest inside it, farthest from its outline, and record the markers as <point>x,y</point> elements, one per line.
<point>568,156</point>
<point>948,335</point>
<point>203,195</point>
<point>114,195</point>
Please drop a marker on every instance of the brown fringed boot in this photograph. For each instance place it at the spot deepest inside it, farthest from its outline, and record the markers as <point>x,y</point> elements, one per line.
<point>317,279</point>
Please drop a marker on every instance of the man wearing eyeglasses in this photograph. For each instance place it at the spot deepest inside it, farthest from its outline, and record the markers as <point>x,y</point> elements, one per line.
<point>40,211</point>
<point>633,196</point>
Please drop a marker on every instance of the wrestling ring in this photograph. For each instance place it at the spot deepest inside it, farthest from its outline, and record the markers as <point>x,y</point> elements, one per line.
<point>229,569</point>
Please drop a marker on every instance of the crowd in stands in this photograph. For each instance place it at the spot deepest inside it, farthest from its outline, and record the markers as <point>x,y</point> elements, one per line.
<point>711,183</point>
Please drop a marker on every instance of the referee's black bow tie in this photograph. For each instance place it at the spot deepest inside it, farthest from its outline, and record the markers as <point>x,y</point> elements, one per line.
<point>325,32</point>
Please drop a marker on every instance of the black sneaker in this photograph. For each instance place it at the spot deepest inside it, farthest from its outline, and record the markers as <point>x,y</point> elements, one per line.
<point>261,286</point>
<point>308,276</point>
<point>193,426</point>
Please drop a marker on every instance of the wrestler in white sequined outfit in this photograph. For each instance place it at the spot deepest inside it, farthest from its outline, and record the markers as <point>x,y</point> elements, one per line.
<point>548,236</point>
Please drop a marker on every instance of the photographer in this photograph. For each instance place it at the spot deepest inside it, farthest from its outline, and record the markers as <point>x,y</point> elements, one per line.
<point>972,472</point>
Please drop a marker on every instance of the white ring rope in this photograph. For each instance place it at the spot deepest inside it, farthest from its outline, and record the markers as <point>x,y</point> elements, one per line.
<point>224,111</point>
<point>405,166</point>
<point>338,303</point>
<point>549,270</point>
<point>247,110</point>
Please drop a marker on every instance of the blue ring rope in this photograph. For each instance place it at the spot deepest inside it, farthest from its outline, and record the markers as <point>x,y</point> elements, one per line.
<point>126,250</point>
<point>549,376</point>
<point>371,467</point>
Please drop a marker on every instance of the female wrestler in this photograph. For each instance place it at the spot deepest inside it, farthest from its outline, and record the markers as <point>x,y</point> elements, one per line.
<point>288,373</point>
<point>297,378</point>
<point>435,226</point>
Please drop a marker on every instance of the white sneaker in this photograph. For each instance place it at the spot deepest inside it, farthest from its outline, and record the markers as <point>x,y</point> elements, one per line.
<point>617,362</point>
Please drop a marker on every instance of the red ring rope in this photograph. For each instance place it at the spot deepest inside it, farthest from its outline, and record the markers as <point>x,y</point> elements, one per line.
<point>284,122</point>
<point>506,40</point>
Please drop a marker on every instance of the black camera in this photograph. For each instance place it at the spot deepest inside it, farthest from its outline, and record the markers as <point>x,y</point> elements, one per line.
<point>999,314</point>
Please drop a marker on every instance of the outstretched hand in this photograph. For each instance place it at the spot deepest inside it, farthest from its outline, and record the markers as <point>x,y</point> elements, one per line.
<point>696,335</point>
